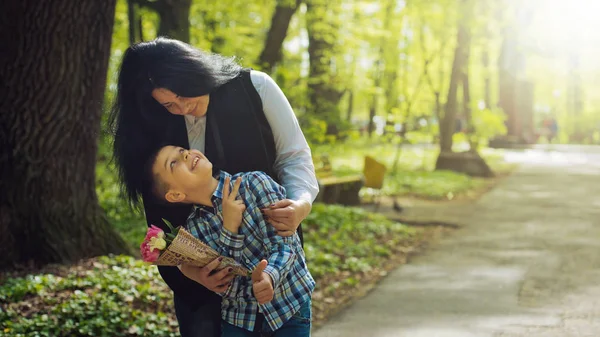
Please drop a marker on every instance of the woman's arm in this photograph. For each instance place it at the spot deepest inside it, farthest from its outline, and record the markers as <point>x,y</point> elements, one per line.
<point>293,163</point>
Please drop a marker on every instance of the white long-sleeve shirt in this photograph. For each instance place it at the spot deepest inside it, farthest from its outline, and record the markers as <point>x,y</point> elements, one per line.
<point>293,161</point>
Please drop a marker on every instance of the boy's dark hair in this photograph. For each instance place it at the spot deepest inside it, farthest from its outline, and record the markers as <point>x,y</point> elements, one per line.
<point>154,186</point>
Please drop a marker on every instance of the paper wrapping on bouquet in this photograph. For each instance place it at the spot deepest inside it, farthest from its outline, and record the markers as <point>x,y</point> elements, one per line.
<point>188,249</point>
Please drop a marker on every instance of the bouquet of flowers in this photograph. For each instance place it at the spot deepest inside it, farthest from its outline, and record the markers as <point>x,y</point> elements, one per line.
<point>179,247</point>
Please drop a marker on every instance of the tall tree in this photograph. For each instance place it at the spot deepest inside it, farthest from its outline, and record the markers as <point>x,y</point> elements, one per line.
<point>461,58</point>
<point>324,90</point>
<point>53,67</point>
<point>280,22</point>
<point>469,162</point>
<point>174,17</point>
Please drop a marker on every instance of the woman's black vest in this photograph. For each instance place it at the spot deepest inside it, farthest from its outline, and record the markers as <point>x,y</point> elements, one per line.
<point>238,139</point>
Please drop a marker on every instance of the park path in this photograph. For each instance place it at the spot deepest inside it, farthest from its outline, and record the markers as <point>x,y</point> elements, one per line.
<point>526,262</point>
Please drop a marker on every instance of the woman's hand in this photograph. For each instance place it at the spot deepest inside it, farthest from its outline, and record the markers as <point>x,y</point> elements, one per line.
<point>286,215</point>
<point>217,282</point>
<point>233,208</point>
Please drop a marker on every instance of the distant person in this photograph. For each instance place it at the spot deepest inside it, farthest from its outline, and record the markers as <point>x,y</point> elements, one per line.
<point>552,130</point>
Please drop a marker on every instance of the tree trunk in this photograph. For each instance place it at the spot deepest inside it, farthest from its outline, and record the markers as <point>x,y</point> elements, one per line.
<point>372,114</point>
<point>487,82</point>
<point>438,105</point>
<point>390,55</point>
<point>467,110</point>
<point>323,93</point>
<point>469,162</point>
<point>132,22</point>
<point>280,23</point>
<point>54,69</point>
<point>350,106</point>
<point>174,17</point>
<point>135,22</point>
<point>377,74</point>
<point>461,54</point>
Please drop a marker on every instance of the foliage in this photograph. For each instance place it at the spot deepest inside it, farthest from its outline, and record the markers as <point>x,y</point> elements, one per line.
<point>342,238</point>
<point>582,129</point>
<point>116,296</point>
<point>122,296</point>
<point>315,130</point>
<point>405,80</point>
<point>488,123</point>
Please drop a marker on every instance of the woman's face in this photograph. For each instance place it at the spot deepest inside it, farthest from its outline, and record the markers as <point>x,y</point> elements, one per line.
<point>178,105</point>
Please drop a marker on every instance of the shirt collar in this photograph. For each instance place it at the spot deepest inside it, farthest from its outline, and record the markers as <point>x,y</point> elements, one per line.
<point>218,193</point>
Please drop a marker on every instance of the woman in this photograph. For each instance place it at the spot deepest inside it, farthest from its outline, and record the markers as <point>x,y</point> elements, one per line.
<point>171,93</point>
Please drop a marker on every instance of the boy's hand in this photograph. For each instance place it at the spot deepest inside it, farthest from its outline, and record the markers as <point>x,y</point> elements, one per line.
<point>262,285</point>
<point>232,208</point>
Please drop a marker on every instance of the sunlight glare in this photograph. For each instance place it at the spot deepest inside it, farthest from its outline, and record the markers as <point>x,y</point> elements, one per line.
<point>560,25</point>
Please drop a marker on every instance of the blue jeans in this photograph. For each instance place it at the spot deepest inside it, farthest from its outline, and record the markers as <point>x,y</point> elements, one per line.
<point>204,321</point>
<point>298,326</point>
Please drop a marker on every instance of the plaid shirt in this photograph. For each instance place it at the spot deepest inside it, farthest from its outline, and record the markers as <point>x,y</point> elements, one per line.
<point>256,240</point>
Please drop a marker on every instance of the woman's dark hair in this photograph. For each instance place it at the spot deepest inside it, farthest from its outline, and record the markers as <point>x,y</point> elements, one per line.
<point>138,121</point>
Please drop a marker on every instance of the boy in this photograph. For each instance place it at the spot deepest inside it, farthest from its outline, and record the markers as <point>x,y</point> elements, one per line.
<point>281,285</point>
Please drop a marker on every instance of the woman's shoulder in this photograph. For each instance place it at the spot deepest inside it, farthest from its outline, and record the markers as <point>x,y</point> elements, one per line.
<point>261,80</point>
<point>258,78</point>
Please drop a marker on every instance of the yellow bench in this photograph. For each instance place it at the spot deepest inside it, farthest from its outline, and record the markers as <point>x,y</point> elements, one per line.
<point>374,173</point>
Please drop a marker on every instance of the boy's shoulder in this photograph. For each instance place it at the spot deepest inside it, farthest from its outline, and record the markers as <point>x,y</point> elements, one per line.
<point>258,182</point>
<point>252,175</point>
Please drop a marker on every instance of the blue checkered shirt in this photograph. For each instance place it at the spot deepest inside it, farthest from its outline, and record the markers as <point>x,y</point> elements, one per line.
<point>256,240</point>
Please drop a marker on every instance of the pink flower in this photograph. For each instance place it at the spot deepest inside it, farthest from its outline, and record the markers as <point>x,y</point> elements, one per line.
<point>151,244</point>
<point>154,231</point>
<point>148,254</point>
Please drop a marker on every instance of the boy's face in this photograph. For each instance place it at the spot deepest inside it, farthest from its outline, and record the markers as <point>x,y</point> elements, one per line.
<point>183,171</point>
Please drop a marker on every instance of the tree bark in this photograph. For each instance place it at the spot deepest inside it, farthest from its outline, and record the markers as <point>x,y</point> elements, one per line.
<point>280,23</point>
<point>174,17</point>
<point>53,67</point>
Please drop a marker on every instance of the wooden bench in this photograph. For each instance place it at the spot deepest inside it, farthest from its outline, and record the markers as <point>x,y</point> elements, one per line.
<point>337,190</point>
